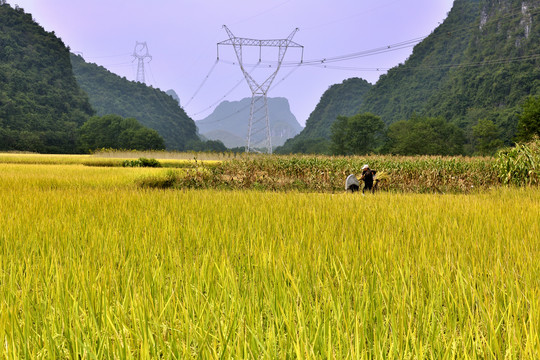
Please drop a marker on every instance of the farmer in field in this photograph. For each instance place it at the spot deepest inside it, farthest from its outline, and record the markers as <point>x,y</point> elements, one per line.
<point>352,184</point>
<point>368,177</point>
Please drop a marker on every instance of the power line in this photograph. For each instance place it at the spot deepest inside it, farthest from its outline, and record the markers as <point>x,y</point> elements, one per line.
<point>230,115</point>
<point>202,83</point>
<point>226,94</point>
<point>259,87</point>
<point>326,62</point>
<point>403,44</point>
<point>220,99</point>
<point>109,56</point>
<point>418,68</point>
<point>330,62</point>
<point>247,106</point>
<point>286,76</point>
<point>434,67</point>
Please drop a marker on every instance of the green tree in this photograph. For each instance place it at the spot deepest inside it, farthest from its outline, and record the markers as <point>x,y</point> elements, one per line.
<point>209,145</point>
<point>41,105</point>
<point>338,135</point>
<point>355,135</point>
<point>486,137</point>
<point>425,136</point>
<point>115,132</point>
<point>529,119</point>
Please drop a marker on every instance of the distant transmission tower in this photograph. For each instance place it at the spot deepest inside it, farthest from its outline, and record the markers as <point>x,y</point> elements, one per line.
<point>259,125</point>
<point>141,53</point>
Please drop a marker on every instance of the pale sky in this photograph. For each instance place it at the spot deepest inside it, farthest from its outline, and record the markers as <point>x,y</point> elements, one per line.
<point>182,35</point>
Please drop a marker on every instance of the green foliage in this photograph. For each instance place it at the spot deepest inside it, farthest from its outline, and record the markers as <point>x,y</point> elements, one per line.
<point>407,88</point>
<point>153,108</point>
<point>115,132</point>
<point>529,119</point>
<point>141,162</point>
<point>463,69</point>
<point>41,105</point>
<point>305,146</point>
<point>486,135</point>
<point>520,165</point>
<point>424,136</point>
<point>356,135</point>
<point>209,145</point>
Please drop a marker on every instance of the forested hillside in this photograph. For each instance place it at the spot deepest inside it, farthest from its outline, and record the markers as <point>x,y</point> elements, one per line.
<point>477,68</point>
<point>153,108</point>
<point>340,99</point>
<point>501,69</point>
<point>406,88</point>
<point>481,63</point>
<point>41,105</point>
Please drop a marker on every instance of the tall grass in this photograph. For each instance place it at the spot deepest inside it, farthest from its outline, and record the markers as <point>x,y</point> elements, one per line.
<point>98,268</point>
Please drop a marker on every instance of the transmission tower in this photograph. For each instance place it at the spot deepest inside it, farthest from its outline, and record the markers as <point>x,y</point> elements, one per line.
<point>259,134</point>
<point>140,53</point>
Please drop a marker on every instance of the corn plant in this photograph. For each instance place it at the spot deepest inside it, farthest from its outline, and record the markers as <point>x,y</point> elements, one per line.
<point>520,165</point>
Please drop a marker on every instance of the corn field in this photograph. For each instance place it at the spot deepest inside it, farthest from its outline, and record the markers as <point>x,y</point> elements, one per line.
<point>326,174</point>
<point>421,174</point>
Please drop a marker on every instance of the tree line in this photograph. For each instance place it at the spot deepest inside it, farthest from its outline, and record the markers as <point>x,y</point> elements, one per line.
<point>366,133</point>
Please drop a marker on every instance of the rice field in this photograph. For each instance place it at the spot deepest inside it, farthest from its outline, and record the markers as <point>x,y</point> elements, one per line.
<point>94,267</point>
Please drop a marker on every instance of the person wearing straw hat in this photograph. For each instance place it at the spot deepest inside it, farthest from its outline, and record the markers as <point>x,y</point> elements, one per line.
<point>368,177</point>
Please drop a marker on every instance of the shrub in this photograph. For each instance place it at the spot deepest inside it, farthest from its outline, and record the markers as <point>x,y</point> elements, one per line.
<point>520,165</point>
<point>141,162</point>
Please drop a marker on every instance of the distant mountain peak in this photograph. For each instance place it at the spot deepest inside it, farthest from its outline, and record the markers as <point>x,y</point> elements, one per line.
<point>229,122</point>
<point>173,94</point>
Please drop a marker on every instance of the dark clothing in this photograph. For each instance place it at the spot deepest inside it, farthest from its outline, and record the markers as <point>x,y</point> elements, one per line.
<point>367,176</point>
<point>354,188</point>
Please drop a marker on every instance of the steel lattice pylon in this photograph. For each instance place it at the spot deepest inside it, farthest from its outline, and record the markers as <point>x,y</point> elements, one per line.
<point>140,52</point>
<point>258,114</point>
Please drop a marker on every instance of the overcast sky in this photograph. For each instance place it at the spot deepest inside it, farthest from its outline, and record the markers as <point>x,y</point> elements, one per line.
<point>182,35</point>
